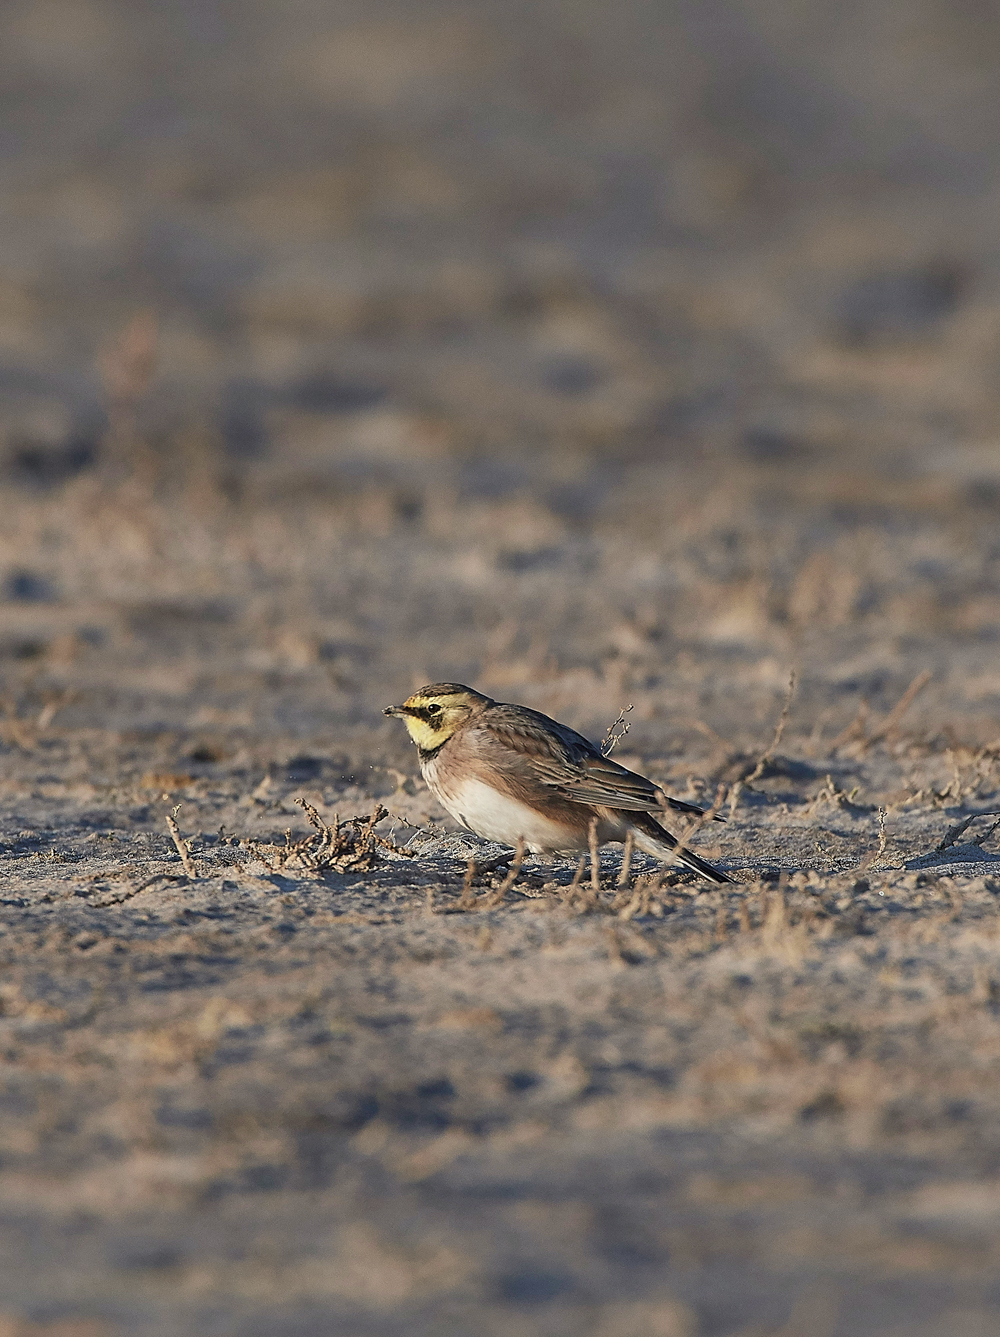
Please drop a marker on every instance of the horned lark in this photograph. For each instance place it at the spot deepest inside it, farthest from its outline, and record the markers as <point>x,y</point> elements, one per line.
<point>507,772</point>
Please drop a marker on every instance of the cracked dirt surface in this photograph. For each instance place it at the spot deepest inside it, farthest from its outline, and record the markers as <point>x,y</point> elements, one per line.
<point>269,1099</point>
<point>344,352</point>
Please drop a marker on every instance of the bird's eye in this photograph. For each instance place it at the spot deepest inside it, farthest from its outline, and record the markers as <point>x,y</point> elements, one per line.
<point>434,710</point>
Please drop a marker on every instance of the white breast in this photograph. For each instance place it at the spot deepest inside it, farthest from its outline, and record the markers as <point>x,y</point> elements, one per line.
<point>497,816</point>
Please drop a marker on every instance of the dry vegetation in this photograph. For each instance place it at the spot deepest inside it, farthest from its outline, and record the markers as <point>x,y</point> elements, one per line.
<point>276,1061</point>
<point>465,368</point>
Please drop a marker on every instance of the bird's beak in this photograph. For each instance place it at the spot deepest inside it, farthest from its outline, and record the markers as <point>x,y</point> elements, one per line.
<point>395,710</point>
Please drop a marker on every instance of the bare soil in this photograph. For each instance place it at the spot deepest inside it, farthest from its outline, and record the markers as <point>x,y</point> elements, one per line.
<point>600,358</point>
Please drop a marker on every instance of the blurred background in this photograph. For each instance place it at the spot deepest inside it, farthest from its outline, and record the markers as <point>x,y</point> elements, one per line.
<point>407,241</point>
<point>599,355</point>
<point>491,288</point>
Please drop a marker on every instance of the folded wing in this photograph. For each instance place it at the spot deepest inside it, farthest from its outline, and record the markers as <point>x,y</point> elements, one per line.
<point>567,763</point>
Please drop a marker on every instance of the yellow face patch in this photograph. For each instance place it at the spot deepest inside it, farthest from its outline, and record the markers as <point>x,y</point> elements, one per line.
<point>431,717</point>
<point>427,734</point>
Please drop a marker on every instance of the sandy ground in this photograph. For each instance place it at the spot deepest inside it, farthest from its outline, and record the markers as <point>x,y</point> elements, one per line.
<point>638,360</point>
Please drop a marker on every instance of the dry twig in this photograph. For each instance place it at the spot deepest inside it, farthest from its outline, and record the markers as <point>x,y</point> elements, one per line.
<point>891,722</point>
<point>709,815</point>
<point>129,892</point>
<point>569,892</point>
<point>641,897</point>
<point>54,702</point>
<point>775,920</point>
<point>855,730</point>
<point>183,848</point>
<point>467,900</point>
<point>615,954</point>
<point>779,730</point>
<point>873,859</point>
<point>626,858</point>
<point>508,882</point>
<point>954,832</point>
<point>721,922</point>
<point>616,733</point>
<point>595,859</point>
<point>352,847</point>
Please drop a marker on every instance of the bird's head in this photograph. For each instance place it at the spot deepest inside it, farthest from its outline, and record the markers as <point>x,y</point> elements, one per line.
<point>432,714</point>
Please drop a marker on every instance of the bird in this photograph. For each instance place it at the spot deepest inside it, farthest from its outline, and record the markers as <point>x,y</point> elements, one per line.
<point>509,773</point>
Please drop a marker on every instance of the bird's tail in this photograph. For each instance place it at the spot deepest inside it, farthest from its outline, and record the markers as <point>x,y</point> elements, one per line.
<point>654,839</point>
<point>689,809</point>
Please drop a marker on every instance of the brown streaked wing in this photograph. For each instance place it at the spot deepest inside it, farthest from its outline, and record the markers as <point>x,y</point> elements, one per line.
<point>601,781</point>
<point>598,780</point>
<point>532,734</point>
<point>565,761</point>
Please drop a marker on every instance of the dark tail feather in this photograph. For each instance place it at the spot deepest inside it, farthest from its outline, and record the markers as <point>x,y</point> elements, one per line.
<point>691,809</point>
<point>654,839</point>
